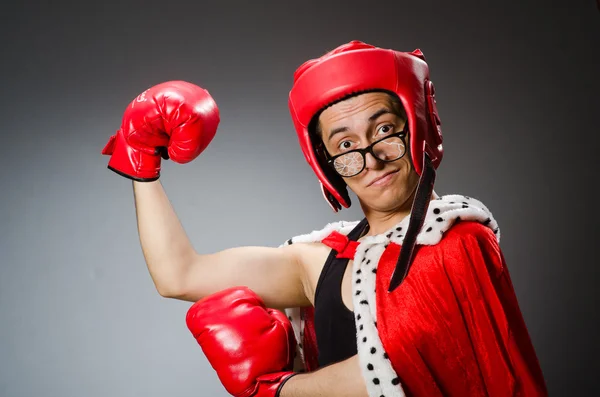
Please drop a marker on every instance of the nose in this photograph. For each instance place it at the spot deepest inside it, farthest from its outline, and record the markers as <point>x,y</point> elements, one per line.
<point>372,162</point>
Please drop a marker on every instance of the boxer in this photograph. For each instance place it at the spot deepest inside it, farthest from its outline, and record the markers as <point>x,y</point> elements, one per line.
<point>414,299</point>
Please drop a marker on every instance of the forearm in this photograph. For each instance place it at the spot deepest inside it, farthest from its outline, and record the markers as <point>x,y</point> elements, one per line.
<point>339,379</point>
<point>165,245</point>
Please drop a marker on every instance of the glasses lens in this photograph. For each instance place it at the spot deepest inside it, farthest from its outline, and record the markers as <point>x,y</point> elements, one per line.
<point>349,164</point>
<point>389,149</point>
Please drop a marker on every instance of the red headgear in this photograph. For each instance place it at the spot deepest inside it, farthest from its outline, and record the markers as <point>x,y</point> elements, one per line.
<point>354,68</point>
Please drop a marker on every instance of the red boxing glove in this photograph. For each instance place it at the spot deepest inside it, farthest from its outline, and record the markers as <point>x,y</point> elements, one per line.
<point>174,120</point>
<point>250,346</point>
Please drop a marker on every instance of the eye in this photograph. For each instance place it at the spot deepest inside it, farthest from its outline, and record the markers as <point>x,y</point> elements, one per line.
<point>345,145</point>
<point>385,129</point>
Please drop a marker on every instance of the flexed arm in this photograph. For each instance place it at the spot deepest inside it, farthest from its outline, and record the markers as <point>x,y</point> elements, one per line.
<point>177,120</point>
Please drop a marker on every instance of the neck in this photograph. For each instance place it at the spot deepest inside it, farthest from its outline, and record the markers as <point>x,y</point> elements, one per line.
<point>382,221</point>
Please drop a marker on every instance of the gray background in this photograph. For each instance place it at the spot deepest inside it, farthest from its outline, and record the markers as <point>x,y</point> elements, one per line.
<point>517,87</point>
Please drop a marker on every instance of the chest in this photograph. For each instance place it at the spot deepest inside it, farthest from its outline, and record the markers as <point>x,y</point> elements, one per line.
<point>315,265</point>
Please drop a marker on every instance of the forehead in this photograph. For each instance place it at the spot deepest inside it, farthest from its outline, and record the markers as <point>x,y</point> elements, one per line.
<point>354,107</point>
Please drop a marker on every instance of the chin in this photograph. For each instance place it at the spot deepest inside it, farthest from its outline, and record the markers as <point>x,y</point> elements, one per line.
<point>390,199</point>
<point>386,202</point>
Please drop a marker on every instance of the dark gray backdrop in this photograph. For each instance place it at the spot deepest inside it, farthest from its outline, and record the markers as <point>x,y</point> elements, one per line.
<point>517,88</point>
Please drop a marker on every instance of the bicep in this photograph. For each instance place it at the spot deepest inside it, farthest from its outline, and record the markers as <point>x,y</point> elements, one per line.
<point>274,274</point>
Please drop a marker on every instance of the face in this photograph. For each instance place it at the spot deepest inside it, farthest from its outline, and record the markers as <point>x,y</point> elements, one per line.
<point>356,123</point>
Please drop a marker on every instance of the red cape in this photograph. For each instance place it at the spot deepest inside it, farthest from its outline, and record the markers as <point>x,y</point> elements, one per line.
<point>453,327</point>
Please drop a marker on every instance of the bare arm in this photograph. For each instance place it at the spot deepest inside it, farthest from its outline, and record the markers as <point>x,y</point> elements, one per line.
<point>178,271</point>
<point>165,244</point>
<point>342,379</point>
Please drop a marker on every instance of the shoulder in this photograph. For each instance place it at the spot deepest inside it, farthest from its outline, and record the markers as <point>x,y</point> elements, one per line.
<point>303,251</point>
<point>310,257</point>
<point>343,227</point>
<point>470,244</point>
<point>309,249</point>
<point>469,231</point>
<point>462,215</point>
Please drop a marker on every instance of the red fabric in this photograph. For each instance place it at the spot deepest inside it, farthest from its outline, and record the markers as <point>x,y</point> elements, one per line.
<point>454,327</point>
<point>309,343</point>
<point>344,247</point>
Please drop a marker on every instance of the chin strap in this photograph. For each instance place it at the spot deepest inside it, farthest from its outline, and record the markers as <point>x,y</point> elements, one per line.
<point>417,217</point>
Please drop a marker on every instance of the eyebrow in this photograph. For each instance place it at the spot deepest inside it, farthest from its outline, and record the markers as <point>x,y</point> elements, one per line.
<point>372,118</point>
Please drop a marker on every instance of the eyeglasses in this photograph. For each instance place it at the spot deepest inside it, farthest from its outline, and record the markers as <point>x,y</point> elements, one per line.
<point>387,149</point>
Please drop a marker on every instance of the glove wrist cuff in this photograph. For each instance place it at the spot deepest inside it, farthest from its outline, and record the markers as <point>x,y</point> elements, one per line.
<point>131,162</point>
<point>132,177</point>
<point>270,385</point>
<point>283,382</point>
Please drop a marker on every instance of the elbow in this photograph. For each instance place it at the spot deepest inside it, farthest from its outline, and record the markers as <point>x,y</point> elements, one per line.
<point>171,283</point>
<point>177,284</point>
<point>170,288</point>
<point>167,291</point>
<point>174,291</point>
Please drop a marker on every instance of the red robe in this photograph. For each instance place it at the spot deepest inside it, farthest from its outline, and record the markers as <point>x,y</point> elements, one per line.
<point>453,327</point>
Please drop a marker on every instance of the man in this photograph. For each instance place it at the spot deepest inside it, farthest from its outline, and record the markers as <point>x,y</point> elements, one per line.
<point>415,299</point>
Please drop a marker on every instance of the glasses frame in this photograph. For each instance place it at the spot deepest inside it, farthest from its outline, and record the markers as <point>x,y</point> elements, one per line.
<point>369,149</point>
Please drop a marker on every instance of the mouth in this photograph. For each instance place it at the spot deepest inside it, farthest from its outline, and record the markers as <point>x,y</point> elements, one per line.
<point>384,179</point>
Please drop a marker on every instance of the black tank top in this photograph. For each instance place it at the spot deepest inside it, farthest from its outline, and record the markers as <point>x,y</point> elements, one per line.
<point>335,328</point>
